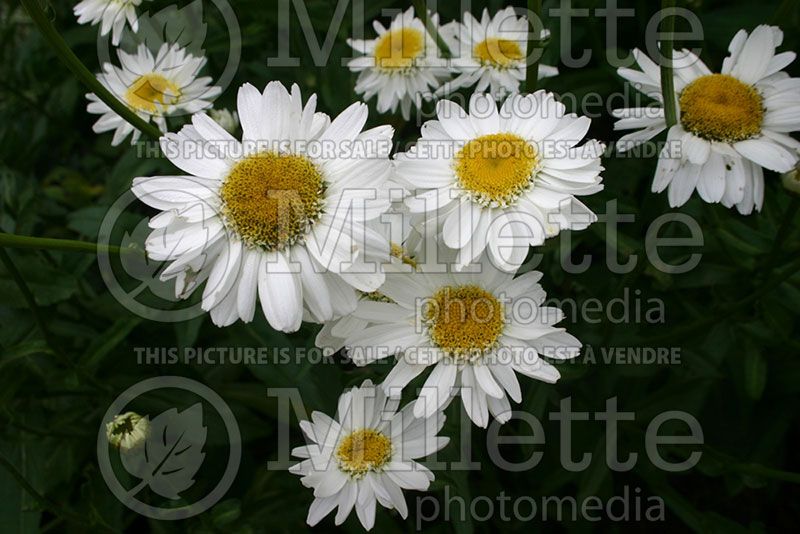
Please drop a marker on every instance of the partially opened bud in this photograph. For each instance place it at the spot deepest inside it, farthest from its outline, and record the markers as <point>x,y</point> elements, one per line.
<point>128,430</point>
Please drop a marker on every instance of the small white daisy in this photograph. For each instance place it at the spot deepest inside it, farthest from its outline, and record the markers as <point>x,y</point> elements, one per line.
<point>152,87</point>
<point>474,329</point>
<point>112,13</point>
<point>279,217</point>
<point>491,53</point>
<point>730,124</point>
<point>401,66</point>
<point>366,455</point>
<point>502,180</point>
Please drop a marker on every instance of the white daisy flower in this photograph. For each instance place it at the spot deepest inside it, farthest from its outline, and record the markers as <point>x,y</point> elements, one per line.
<point>491,53</point>
<point>152,87</point>
<point>366,455</point>
<point>730,124</point>
<point>280,215</point>
<point>401,66</point>
<point>474,329</point>
<point>502,180</point>
<point>112,13</point>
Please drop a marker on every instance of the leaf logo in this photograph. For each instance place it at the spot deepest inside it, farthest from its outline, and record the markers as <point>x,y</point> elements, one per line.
<point>148,272</point>
<point>168,459</point>
<point>183,26</point>
<point>139,266</point>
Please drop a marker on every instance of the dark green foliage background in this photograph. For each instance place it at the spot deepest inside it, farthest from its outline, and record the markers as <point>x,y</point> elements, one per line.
<point>734,317</point>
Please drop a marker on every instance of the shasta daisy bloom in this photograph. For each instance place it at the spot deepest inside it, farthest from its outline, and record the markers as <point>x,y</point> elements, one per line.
<point>730,124</point>
<point>502,180</point>
<point>366,455</point>
<point>112,14</point>
<point>491,53</point>
<point>400,66</point>
<point>279,217</point>
<point>152,87</point>
<point>474,330</point>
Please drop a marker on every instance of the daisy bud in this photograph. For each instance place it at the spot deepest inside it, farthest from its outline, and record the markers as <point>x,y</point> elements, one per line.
<point>127,431</point>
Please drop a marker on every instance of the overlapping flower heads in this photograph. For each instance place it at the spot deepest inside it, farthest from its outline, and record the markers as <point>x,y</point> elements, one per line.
<point>418,258</point>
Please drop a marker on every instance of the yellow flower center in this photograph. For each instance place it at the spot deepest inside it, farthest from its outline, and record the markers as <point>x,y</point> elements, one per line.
<point>719,107</point>
<point>362,451</point>
<point>151,92</point>
<point>464,321</point>
<point>500,53</point>
<point>272,200</point>
<point>398,49</point>
<point>494,169</point>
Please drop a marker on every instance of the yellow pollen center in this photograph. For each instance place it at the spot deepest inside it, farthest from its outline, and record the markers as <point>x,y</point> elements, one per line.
<point>272,200</point>
<point>719,107</point>
<point>363,450</point>
<point>498,52</point>
<point>151,92</point>
<point>464,321</point>
<point>494,169</point>
<point>398,49</point>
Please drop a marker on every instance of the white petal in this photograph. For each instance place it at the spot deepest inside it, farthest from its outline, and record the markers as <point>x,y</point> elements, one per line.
<point>767,153</point>
<point>437,389</point>
<point>280,292</point>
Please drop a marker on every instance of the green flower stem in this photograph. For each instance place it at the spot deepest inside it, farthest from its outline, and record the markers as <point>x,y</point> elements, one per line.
<point>667,80</point>
<point>68,245</point>
<point>80,71</point>
<point>534,44</point>
<point>420,7</point>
